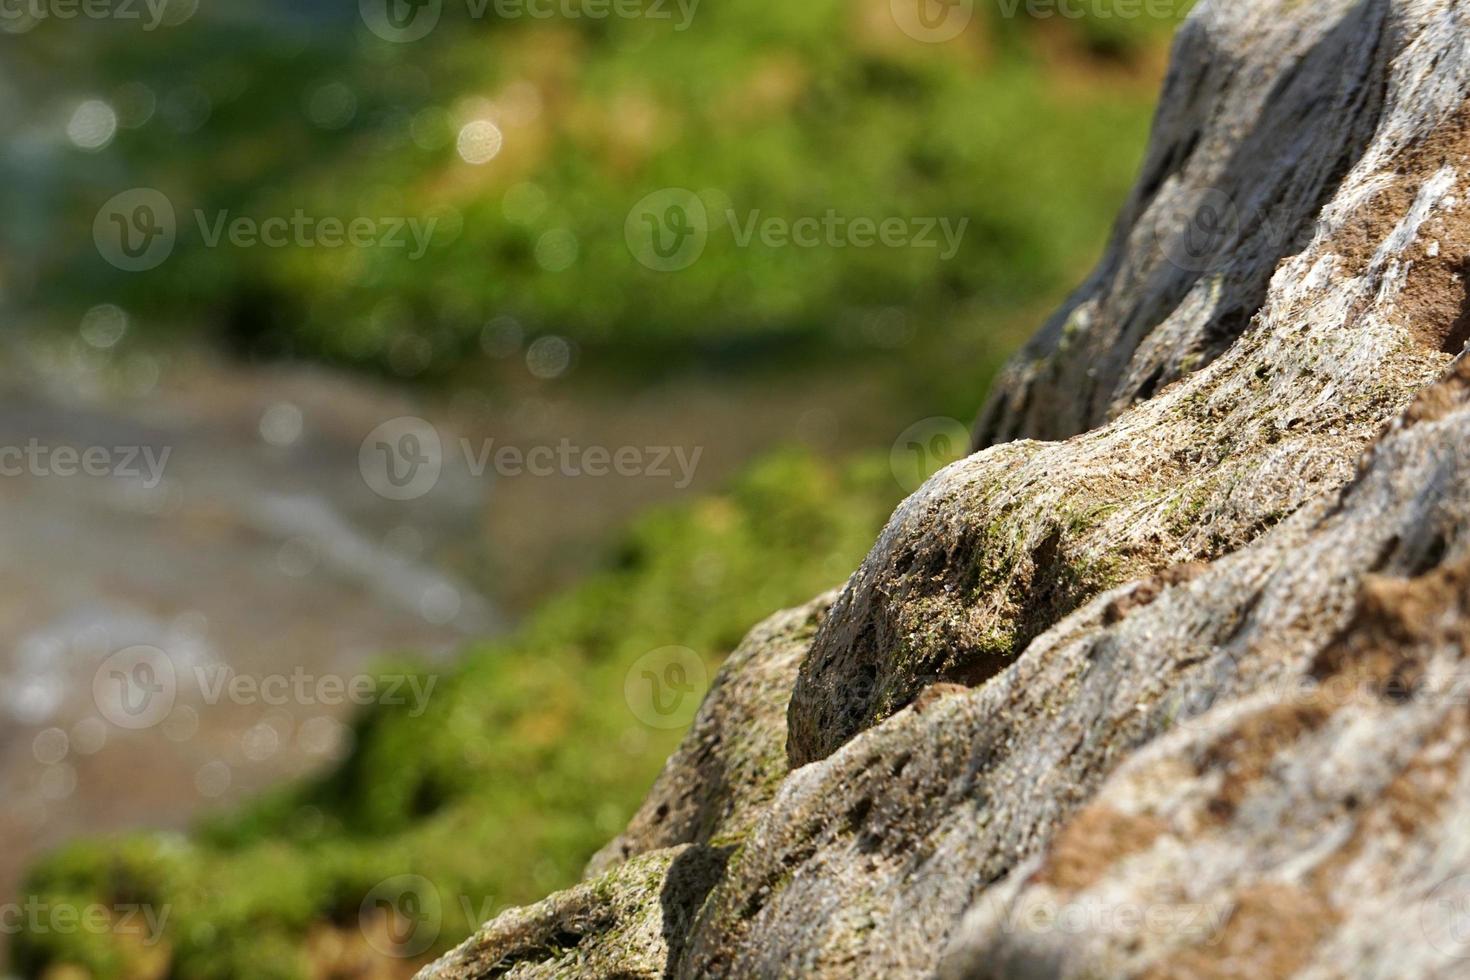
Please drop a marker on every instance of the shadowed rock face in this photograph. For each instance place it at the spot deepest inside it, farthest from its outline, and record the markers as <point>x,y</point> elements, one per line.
<point>1181,695</point>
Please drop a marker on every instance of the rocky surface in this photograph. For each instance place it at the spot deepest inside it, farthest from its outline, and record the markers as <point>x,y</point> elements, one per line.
<point>728,767</point>
<point>630,922</point>
<point>1181,695</point>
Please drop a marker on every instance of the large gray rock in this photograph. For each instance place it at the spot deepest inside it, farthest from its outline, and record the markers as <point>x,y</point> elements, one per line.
<point>1176,696</point>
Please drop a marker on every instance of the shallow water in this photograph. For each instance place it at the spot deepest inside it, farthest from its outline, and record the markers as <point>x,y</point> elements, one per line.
<point>226,525</point>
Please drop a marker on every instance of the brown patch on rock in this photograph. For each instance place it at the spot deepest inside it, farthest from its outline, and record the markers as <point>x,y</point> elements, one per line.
<point>1417,797</point>
<point>1440,398</point>
<point>1149,590</point>
<point>1436,294</point>
<point>1271,932</point>
<point>1246,753</point>
<point>935,693</point>
<point>1096,840</point>
<point>1395,616</point>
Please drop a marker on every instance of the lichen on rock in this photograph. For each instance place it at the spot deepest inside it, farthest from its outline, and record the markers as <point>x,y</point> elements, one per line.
<point>630,922</point>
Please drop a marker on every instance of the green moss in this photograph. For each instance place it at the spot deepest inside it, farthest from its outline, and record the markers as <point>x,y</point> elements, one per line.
<point>769,108</point>
<point>1182,514</point>
<point>526,761</point>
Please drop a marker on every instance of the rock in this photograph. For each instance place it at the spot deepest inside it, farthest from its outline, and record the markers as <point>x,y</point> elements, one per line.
<point>728,767</point>
<point>1000,547</point>
<point>1312,828</point>
<point>1178,691</point>
<point>627,923</point>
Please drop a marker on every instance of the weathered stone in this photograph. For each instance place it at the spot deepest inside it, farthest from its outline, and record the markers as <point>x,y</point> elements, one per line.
<point>729,765</point>
<point>1314,828</point>
<point>1176,696</point>
<point>630,922</point>
<point>999,547</point>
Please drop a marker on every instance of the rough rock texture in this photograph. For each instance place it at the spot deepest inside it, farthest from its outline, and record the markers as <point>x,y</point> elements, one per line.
<point>999,547</point>
<point>729,765</point>
<point>1183,695</point>
<point>631,922</point>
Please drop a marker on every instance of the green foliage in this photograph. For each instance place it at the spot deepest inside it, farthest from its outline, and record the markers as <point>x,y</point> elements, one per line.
<point>765,109</point>
<point>526,761</point>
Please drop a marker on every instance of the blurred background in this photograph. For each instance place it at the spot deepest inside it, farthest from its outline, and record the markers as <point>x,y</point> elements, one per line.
<point>387,388</point>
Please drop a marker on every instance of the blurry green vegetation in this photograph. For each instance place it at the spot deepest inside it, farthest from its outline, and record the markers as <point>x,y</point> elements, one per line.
<point>527,760</point>
<point>1028,131</point>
